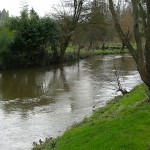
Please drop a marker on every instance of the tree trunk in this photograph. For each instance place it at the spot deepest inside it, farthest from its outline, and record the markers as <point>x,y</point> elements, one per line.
<point>63,47</point>
<point>79,48</point>
<point>68,24</point>
<point>141,55</point>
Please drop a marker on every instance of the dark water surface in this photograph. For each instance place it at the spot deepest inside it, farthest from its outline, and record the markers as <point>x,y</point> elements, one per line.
<point>39,103</point>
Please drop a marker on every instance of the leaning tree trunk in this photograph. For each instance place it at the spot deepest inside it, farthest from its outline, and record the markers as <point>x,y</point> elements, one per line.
<point>141,54</point>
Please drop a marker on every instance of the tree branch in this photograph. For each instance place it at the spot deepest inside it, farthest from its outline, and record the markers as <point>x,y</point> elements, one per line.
<point>120,31</point>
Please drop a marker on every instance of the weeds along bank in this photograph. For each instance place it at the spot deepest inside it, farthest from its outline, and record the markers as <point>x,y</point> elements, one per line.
<point>122,124</point>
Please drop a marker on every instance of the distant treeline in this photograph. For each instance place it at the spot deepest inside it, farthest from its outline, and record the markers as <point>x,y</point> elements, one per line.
<point>29,40</point>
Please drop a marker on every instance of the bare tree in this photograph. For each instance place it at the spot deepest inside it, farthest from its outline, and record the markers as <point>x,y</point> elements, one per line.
<point>126,22</point>
<point>141,54</point>
<point>68,17</point>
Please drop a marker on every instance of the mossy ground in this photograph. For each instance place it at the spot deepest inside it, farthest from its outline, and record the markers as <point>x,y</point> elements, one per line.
<point>124,124</point>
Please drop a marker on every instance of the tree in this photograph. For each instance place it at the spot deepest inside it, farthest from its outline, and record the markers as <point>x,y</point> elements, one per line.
<point>141,54</point>
<point>93,30</point>
<point>7,38</point>
<point>34,36</point>
<point>4,15</point>
<point>68,18</point>
<point>126,21</point>
<point>97,23</point>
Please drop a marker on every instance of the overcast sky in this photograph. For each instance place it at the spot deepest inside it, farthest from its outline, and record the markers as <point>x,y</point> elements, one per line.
<point>40,6</point>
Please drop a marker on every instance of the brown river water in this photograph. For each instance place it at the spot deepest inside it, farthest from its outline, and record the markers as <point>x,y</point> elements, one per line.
<point>43,102</point>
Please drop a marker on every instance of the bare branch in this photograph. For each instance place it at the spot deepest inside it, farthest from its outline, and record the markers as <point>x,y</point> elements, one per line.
<point>120,31</point>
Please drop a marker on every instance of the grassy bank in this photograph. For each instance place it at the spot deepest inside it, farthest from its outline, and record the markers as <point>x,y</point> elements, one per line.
<point>124,124</point>
<point>71,55</point>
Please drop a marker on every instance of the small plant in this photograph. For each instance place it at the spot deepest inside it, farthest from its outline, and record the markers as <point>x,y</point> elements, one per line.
<point>53,144</point>
<point>117,78</point>
<point>118,74</point>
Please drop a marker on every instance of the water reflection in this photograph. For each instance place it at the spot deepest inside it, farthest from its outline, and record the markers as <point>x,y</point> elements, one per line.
<point>35,103</point>
<point>27,89</point>
<point>31,83</point>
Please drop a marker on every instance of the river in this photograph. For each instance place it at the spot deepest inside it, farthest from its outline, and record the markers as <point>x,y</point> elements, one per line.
<point>43,102</point>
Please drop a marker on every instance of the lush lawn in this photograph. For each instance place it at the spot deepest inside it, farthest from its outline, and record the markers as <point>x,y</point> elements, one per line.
<point>124,124</point>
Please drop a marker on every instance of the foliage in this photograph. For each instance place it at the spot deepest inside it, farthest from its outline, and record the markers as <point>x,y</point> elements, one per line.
<point>67,21</point>
<point>120,126</point>
<point>7,38</point>
<point>34,36</point>
<point>95,30</point>
<point>4,16</point>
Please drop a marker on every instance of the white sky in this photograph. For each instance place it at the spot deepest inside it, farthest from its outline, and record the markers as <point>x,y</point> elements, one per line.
<point>40,6</point>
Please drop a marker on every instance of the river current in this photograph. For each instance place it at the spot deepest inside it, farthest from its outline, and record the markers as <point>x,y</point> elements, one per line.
<point>43,102</point>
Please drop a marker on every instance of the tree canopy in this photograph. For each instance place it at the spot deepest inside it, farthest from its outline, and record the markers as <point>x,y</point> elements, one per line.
<point>33,37</point>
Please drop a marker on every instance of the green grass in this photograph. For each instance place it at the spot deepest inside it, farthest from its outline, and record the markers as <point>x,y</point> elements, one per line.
<point>71,54</point>
<point>70,50</point>
<point>124,124</point>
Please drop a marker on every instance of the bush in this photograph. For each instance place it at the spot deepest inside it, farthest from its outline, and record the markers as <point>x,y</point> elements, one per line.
<point>34,36</point>
<point>7,38</point>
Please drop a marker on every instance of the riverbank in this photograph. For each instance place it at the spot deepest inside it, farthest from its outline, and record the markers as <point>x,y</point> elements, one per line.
<point>124,124</point>
<point>71,55</point>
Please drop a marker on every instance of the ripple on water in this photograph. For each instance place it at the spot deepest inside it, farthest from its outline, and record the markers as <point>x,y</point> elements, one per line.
<point>40,103</point>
